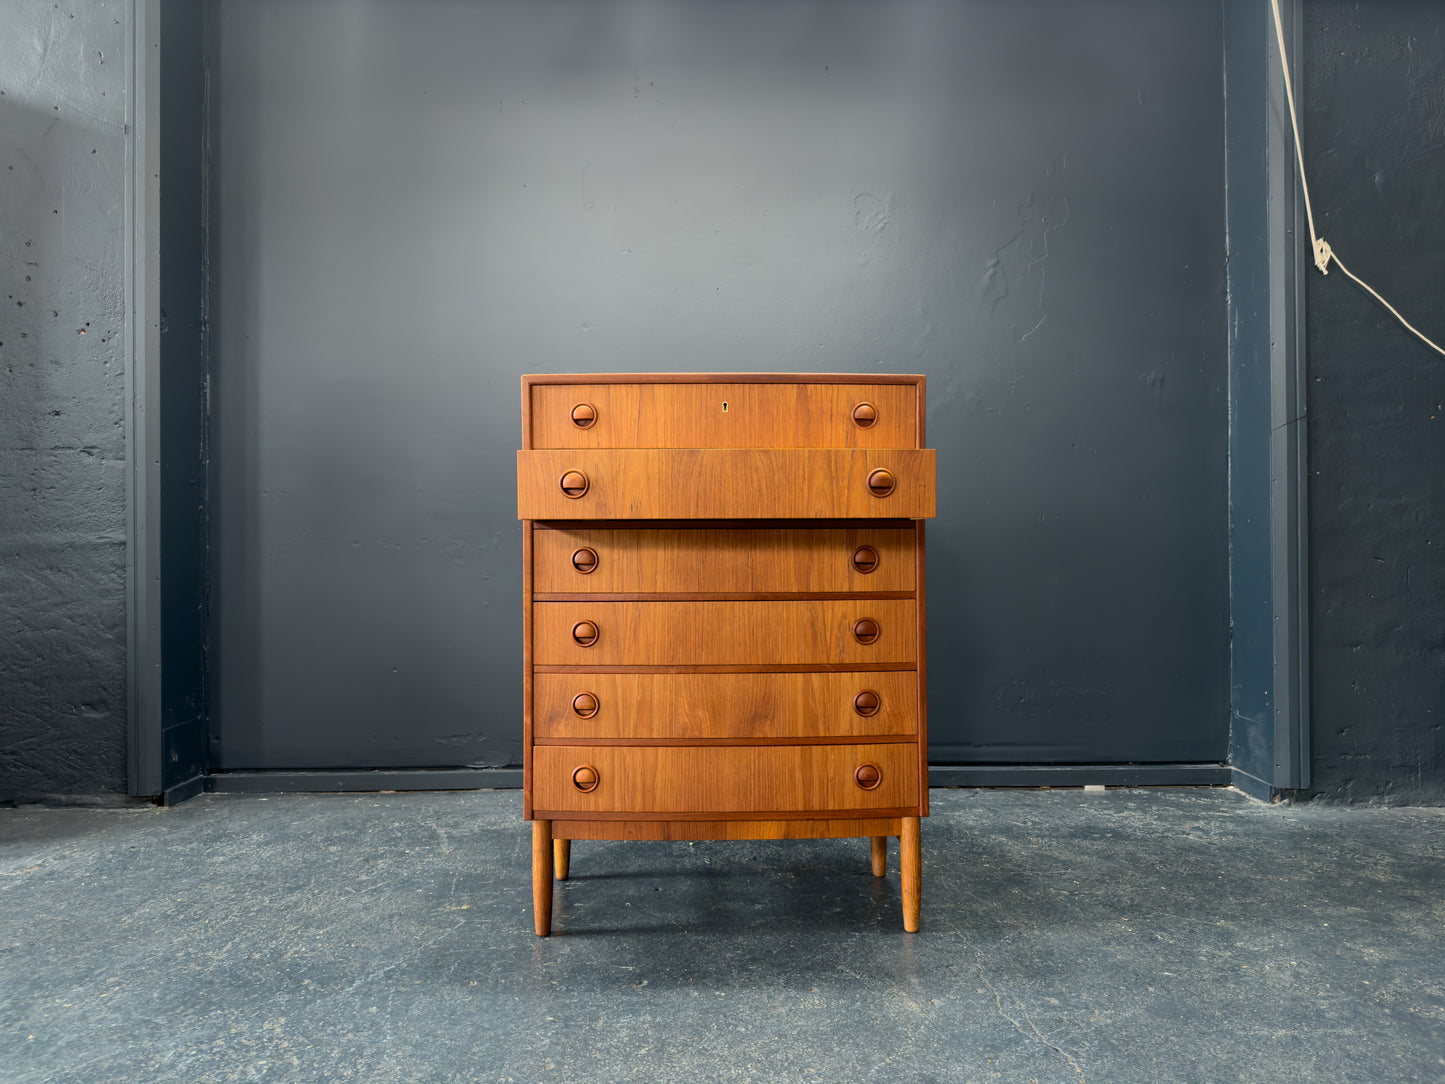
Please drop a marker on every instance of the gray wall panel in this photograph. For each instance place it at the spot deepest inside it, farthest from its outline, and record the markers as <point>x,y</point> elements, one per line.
<point>1372,116</point>
<point>62,401</point>
<point>416,203</point>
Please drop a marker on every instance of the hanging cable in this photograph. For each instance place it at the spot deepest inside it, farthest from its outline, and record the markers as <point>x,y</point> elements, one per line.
<point>1318,245</point>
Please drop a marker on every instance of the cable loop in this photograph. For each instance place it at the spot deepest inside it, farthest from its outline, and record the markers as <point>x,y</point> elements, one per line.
<point>1323,253</point>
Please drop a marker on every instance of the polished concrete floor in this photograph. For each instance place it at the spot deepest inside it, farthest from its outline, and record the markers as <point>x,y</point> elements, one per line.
<point>1169,935</point>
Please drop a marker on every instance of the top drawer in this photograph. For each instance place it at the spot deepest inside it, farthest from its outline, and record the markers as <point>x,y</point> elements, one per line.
<point>683,412</point>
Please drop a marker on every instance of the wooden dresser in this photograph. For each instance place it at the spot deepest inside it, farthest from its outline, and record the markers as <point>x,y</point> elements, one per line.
<point>723,620</point>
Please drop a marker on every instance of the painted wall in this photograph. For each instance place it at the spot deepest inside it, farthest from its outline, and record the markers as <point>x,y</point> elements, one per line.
<point>1372,104</point>
<point>1374,116</point>
<point>1252,628</point>
<point>185,388</point>
<point>416,203</point>
<point>62,394</point>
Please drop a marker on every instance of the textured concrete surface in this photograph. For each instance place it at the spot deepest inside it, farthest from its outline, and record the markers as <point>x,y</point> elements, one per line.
<point>1121,936</point>
<point>62,395</point>
<point>1373,99</point>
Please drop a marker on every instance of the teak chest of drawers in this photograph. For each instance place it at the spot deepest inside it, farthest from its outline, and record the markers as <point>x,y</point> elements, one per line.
<point>723,612</point>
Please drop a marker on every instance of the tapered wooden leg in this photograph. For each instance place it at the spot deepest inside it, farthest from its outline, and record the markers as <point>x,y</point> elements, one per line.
<point>561,853</point>
<point>880,855</point>
<point>911,859</point>
<point>542,876</point>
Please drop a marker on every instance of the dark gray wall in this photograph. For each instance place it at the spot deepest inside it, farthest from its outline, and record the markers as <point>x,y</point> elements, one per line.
<point>1077,575</point>
<point>62,395</point>
<point>184,361</point>
<point>1371,98</point>
<point>1246,65</point>
<point>1372,106</point>
<point>1268,415</point>
<point>415,203</point>
<point>1374,118</point>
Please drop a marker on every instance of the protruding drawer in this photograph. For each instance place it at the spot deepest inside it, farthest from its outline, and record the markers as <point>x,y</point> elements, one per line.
<point>742,560</point>
<point>725,484</point>
<point>724,779</point>
<point>682,414</point>
<point>723,706</point>
<point>761,634</point>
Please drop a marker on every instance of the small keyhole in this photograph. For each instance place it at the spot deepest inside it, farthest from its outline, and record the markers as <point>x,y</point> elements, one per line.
<point>725,408</point>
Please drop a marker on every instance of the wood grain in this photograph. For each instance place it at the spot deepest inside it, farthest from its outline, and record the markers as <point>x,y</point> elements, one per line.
<point>531,379</point>
<point>542,876</point>
<point>922,656</point>
<point>717,524</point>
<point>527,669</point>
<point>725,484</point>
<point>691,415</point>
<point>723,706</point>
<point>831,739</point>
<point>910,851</point>
<point>702,780</point>
<point>730,668</point>
<point>561,856</point>
<point>739,633</point>
<point>719,699</point>
<point>722,829</point>
<point>738,560</point>
<point>735,815</point>
<point>713,596</point>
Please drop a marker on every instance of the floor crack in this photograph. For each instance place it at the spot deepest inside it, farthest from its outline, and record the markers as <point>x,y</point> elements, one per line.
<point>998,1001</point>
<point>998,1004</point>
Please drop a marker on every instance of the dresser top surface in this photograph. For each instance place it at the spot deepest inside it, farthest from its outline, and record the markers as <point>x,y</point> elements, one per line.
<point>721,378</point>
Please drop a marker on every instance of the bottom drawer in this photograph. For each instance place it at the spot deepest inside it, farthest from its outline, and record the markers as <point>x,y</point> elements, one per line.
<point>724,779</point>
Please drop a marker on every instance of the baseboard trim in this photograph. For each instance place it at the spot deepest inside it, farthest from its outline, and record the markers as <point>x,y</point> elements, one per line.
<point>1079,775</point>
<point>335,782</point>
<point>939,775</point>
<point>197,784</point>
<point>1254,786</point>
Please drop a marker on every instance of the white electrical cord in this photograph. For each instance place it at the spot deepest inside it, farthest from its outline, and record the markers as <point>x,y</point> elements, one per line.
<point>1321,248</point>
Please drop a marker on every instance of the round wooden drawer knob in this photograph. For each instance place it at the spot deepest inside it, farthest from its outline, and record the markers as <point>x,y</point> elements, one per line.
<point>574,484</point>
<point>880,483</point>
<point>585,560</point>
<point>584,415</point>
<point>868,776</point>
<point>865,630</point>
<point>584,634</point>
<point>585,705</point>
<point>864,415</point>
<point>867,703</point>
<point>585,778</point>
<point>865,559</point>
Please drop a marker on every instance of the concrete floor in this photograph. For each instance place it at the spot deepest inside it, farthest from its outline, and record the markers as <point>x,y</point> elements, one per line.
<point>1170,935</point>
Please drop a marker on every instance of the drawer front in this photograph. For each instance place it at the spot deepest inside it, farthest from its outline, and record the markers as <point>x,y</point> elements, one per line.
<point>724,706</point>
<point>723,779</point>
<point>696,560</point>
<point>725,484</point>
<point>761,634</point>
<point>705,415</point>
